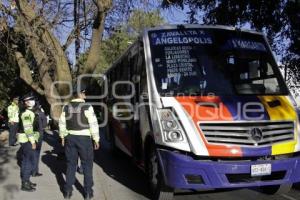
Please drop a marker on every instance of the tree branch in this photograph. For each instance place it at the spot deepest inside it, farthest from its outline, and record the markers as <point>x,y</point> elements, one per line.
<point>71,36</point>
<point>98,28</point>
<point>25,73</point>
<point>62,70</point>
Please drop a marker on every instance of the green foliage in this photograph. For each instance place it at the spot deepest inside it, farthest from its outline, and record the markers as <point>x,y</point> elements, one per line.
<point>140,20</point>
<point>8,75</point>
<point>10,82</point>
<point>122,36</point>
<point>115,45</point>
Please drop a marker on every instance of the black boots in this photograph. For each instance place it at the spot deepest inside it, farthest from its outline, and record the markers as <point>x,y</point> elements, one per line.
<point>32,184</point>
<point>67,195</point>
<point>27,186</point>
<point>88,196</point>
<point>36,174</point>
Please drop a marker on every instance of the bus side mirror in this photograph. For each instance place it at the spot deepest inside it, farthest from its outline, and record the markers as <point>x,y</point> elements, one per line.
<point>136,78</point>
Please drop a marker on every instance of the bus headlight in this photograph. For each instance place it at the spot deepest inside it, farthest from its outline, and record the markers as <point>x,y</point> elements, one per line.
<point>171,127</point>
<point>174,136</point>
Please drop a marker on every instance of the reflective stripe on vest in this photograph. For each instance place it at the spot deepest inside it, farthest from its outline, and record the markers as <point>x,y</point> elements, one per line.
<point>85,132</point>
<point>23,137</point>
<point>29,123</point>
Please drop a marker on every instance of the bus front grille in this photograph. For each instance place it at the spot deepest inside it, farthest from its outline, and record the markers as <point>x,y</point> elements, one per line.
<point>248,133</point>
<point>247,178</point>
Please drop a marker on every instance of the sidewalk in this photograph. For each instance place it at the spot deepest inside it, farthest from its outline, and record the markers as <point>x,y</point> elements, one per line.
<point>110,183</point>
<point>49,186</point>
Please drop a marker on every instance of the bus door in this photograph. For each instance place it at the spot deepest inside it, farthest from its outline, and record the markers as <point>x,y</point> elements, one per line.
<point>137,66</point>
<point>122,109</point>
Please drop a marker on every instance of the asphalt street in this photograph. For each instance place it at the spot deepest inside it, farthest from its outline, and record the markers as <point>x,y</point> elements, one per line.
<point>115,178</point>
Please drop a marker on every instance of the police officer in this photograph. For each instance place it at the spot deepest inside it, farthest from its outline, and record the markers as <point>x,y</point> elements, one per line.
<point>42,124</point>
<point>13,120</point>
<point>27,138</point>
<point>79,132</point>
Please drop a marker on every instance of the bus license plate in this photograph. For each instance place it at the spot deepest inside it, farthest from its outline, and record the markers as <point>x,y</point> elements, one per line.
<point>261,169</point>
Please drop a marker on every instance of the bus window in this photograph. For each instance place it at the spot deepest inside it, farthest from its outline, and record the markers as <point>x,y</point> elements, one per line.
<point>216,62</point>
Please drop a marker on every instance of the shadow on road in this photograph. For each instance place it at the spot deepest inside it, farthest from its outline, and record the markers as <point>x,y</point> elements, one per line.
<point>7,156</point>
<point>56,162</point>
<point>296,186</point>
<point>121,168</point>
<point>4,159</point>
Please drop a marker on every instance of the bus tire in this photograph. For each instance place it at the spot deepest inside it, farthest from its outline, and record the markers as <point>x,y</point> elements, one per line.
<point>276,189</point>
<point>159,191</point>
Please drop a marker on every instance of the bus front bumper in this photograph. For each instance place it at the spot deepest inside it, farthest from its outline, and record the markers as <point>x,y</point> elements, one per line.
<point>183,172</point>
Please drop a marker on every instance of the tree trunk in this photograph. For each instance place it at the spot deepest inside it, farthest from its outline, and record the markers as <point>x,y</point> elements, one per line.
<point>98,27</point>
<point>51,93</point>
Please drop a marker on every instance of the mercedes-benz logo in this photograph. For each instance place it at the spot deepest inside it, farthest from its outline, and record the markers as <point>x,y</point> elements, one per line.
<point>256,134</point>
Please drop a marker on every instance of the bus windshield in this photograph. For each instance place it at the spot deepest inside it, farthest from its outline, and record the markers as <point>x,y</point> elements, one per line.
<point>213,62</point>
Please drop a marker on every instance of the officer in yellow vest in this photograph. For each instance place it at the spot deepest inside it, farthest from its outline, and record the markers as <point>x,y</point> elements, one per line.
<point>79,132</point>
<point>13,120</point>
<point>28,138</point>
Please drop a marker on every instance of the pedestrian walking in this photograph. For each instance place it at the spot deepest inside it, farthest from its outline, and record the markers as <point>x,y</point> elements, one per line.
<point>42,124</point>
<point>79,132</point>
<point>13,121</point>
<point>28,138</point>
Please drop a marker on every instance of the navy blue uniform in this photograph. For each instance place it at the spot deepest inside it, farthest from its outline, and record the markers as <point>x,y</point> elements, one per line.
<point>42,123</point>
<point>81,146</point>
<point>27,165</point>
<point>28,137</point>
<point>79,128</point>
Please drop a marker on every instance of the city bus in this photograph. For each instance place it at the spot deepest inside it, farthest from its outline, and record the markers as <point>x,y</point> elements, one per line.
<point>203,107</point>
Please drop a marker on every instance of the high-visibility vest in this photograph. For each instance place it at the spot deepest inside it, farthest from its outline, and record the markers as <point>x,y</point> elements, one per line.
<point>78,118</point>
<point>30,126</point>
<point>13,113</point>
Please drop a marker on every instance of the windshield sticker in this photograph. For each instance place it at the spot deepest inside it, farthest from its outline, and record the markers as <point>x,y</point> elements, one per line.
<point>180,37</point>
<point>179,61</point>
<point>246,44</point>
<point>203,84</point>
<point>164,86</point>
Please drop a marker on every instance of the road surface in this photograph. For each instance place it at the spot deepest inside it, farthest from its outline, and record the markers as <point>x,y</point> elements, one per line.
<point>114,178</point>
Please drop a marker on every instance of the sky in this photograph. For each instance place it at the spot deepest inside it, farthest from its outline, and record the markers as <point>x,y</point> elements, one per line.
<point>171,16</point>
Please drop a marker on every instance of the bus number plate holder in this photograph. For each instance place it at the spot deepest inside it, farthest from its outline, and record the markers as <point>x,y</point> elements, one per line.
<point>261,170</point>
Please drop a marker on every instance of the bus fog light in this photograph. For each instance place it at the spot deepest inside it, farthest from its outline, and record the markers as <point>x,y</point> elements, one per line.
<point>170,125</point>
<point>175,136</point>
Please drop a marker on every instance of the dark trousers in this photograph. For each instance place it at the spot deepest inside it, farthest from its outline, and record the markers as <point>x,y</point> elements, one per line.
<point>37,154</point>
<point>13,129</point>
<point>81,146</point>
<point>27,164</point>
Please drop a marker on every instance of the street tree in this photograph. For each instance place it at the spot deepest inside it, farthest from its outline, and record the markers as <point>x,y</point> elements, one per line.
<point>125,33</point>
<point>43,63</point>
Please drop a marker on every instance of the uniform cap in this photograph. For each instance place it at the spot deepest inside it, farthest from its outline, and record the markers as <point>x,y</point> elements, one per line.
<point>28,97</point>
<point>79,88</point>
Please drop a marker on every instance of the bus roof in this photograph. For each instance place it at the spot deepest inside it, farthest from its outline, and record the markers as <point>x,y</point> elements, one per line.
<point>176,26</point>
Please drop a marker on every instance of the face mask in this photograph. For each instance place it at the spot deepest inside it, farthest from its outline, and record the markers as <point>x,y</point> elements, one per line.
<point>30,103</point>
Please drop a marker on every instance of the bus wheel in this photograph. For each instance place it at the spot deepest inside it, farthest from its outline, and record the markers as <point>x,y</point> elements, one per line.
<point>159,191</point>
<point>276,189</point>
